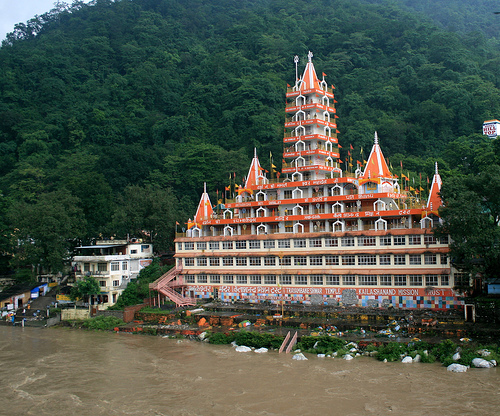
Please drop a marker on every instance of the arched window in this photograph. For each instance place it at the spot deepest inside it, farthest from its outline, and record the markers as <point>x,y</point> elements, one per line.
<point>381,225</point>
<point>379,205</point>
<point>339,226</point>
<point>262,229</point>
<point>298,227</point>
<point>338,207</point>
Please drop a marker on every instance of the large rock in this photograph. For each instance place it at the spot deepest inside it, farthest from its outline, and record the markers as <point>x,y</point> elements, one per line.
<point>456,357</point>
<point>457,368</point>
<point>407,360</point>
<point>243,348</point>
<point>261,350</point>
<point>299,357</point>
<point>348,357</point>
<point>482,363</point>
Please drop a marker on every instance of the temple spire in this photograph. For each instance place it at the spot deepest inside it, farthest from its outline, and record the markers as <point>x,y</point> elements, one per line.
<point>434,201</point>
<point>376,167</point>
<point>309,79</point>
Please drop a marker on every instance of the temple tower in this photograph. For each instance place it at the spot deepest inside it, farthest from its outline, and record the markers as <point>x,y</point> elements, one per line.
<point>310,142</point>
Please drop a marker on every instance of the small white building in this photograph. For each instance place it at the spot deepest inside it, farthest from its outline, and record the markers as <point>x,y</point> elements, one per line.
<point>113,263</point>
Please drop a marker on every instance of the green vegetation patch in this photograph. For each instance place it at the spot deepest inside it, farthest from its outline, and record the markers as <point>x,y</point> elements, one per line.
<point>321,345</point>
<point>249,339</point>
<point>102,323</point>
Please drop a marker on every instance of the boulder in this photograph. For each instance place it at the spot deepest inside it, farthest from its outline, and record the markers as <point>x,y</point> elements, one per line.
<point>417,358</point>
<point>243,348</point>
<point>456,357</point>
<point>321,355</point>
<point>457,368</point>
<point>407,360</point>
<point>299,357</point>
<point>261,350</point>
<point>202,336</point>
<point>348,357</point>
<point>481,363</point>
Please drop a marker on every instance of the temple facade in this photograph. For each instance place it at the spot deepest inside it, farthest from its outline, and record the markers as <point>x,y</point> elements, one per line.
<point>321,231</point>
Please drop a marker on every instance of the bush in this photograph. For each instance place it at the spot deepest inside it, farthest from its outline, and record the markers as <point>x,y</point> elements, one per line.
<point>220,338</point>
<point>444,350</point>
<point>392,351</point>
<point>250,339</point>
<point>102,323</point>
<point>258,340</point>
<point>324,344</point>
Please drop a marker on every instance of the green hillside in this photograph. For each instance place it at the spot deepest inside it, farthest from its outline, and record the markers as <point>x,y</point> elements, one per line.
<point>113,114</point>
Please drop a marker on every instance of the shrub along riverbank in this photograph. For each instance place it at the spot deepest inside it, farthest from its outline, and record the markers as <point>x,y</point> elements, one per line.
<point>446,352</point>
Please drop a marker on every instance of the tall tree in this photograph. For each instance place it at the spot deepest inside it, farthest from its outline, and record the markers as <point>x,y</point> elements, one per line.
<point>46,231</point>
<point>471,216</point>
<point>149,212</point>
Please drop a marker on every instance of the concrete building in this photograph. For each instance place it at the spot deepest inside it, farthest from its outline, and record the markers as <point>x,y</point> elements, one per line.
<point>113,263</point>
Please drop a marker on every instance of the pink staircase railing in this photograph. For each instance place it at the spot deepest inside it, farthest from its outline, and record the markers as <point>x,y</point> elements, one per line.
<point>164,286</point>
<point>292,343</point>
<point>288,343</point>
<point>285,341</point>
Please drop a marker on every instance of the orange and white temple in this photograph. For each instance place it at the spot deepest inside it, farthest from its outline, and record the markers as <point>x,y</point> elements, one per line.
<point>320,233</point>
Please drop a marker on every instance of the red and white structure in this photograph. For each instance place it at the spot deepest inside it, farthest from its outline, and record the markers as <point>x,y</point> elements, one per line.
<point>318,233</point>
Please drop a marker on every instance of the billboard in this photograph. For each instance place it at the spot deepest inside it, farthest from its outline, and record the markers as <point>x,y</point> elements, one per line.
<point>491,128</point>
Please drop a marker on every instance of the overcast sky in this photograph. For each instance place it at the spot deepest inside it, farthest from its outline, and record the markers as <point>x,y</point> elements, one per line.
<point>20,11</point>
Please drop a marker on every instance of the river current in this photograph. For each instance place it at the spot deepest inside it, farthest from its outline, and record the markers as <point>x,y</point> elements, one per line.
<point>60,371</point>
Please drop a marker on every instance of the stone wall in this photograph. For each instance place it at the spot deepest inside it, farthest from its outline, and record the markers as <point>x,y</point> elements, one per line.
<point>130,311</point>
<point>72,314</point>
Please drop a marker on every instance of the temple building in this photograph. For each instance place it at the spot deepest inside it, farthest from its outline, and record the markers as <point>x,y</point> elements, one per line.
<point>320,231</point>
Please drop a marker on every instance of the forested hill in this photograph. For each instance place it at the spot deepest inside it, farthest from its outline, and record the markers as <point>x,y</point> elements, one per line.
<point>113,114</point>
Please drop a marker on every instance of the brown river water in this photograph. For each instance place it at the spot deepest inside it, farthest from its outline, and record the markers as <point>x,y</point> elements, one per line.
<point>61,371</point>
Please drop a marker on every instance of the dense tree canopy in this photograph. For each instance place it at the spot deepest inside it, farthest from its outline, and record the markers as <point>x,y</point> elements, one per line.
<point>116,105</point>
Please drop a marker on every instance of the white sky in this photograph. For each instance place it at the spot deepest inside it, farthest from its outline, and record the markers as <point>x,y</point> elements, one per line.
<point>20,11</point>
